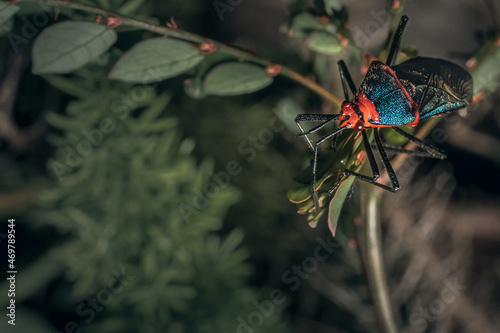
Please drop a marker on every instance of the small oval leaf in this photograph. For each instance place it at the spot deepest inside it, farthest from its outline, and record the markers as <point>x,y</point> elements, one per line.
<point>305,23</point>
<point>324,43</point>
<point>154,60</point>
<point>337,203</point>
<point>67,46</point>
<point>235,79</point>
<point>6,11</point>
<point>299,195</point>
<point>333,5</point>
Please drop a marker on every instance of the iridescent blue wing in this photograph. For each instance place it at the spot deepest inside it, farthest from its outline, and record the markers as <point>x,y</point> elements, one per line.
<point>437,86</point>
<point>393,103</point>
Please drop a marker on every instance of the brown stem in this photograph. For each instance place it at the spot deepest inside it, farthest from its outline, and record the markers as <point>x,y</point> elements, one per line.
<point>374,262</point>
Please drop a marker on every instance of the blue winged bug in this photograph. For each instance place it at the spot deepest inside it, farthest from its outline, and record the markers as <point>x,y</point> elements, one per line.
<point>391,96</point>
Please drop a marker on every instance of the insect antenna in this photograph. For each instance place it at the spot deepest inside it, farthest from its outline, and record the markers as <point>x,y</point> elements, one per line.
<point>346,76</point>
<point>396,40</point>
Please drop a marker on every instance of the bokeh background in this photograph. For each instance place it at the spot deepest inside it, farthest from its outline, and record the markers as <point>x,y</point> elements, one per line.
<point>113,247</point>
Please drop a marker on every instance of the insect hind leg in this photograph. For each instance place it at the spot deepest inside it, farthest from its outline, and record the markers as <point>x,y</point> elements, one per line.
<point>373,165</point>
<point>432,151</point>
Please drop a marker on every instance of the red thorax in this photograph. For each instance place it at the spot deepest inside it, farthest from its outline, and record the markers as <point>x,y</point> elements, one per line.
<point>350,119</point>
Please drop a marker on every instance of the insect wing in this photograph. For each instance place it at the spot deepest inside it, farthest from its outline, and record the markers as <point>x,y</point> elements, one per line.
<point>392,102</point>
<point>437,86</point>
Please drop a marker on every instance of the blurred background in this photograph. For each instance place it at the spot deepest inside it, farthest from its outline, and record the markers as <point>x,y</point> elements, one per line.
<point>178,220</point>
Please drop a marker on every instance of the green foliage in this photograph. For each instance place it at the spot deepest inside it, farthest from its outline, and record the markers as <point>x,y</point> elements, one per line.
<point>333,5</point>
<point>126,193</point>
<point>323,43</point>
<point>303,24</point>
<point>154,60</point>
<point>486,70</point>
<point>321,26</point>
<point>349,154</point>
<point>194,86</point>
<point>67,46</point>
<point>6,12</point>
<point>235,79</point>
<point>337,203</point>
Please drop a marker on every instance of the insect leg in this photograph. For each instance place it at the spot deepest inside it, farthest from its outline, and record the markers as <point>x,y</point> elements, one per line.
<point>396,40</point>
<point>371,159</point>
<point>315,163</point>
<point>433,151</point>
<point>406,151</point>
<point>326,118</point>
<point>387,162</point>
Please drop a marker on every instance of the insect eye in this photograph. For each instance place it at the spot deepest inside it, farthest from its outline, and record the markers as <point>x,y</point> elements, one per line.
<point>359,126</point>
<point>346,104</point>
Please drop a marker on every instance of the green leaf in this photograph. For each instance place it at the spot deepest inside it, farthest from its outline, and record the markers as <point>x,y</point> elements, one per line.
<point>300,194</point>
<point>287,110</point>
<point>333,5</point>
<point>393,138</point>
<point>67,46</point>
<point>70,86</point>
<point>324,43</point>
<point>305,23</point>
<point>194,86</point>
<point>235,79</point>
<point>6,12</point>
<point>337,203</point>
<point>487,72</point>
<point>154,60</point>
<point>231,243</point>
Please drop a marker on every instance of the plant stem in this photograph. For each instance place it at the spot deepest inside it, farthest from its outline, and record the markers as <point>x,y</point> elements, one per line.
<point>187,36</point>
<point>374,262</point>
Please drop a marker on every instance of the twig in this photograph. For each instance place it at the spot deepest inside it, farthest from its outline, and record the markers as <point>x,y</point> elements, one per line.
<point>20,139</point>
<point>187,36</point>
<point>375,268</point>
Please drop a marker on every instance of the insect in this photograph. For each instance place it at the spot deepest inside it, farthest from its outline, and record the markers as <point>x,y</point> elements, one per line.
<point>392,96</point>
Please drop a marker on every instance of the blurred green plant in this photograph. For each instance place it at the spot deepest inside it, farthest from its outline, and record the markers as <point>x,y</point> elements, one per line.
<point>123,174</point>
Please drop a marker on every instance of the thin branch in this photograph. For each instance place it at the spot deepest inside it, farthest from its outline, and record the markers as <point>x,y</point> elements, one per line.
<point>375,268</point>
<point>187,36</point>
<point>18,138</point>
